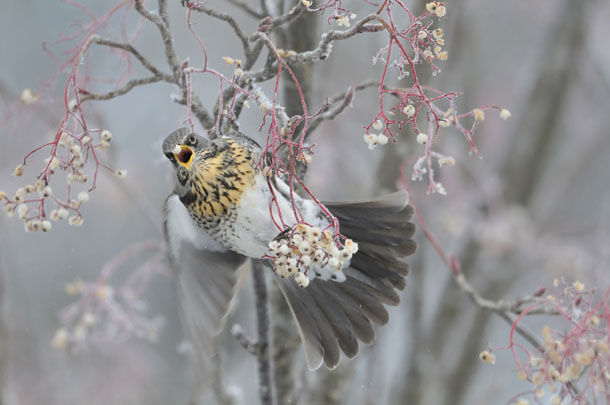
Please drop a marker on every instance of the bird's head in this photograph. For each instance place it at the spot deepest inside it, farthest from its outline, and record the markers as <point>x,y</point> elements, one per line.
<point>209,172</point>
<point>187,152</point>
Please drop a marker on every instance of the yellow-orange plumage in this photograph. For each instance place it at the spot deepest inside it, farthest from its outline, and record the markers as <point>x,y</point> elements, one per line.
<point>218,182</point>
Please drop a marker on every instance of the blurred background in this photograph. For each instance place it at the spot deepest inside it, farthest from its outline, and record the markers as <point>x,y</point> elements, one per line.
<point>535,208</point>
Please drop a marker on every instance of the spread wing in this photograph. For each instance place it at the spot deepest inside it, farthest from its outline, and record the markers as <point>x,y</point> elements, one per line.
<point>206,274</point>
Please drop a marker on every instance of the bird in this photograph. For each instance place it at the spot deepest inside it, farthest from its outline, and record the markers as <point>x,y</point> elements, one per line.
<point>224,210</point>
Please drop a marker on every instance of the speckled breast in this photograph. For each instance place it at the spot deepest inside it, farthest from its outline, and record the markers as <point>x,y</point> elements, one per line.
<point>217,185</point>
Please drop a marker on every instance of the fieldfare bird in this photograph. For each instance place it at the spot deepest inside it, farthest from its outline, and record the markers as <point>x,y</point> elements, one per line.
<point>224,209</point>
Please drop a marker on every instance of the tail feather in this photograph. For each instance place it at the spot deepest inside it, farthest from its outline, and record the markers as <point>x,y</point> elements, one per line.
<point>384,251</point>
<point>386,212</point>
<point>370,303</point>
<point>392,271</point>
<point>331,315</point>
<point>339,321</point>
<point>381,289</point>
<point>360,324</point>
<point>312,335</point>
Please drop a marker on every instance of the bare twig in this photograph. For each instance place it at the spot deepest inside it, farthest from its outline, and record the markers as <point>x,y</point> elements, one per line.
<point>324,47</point>
<point>120,91</point>
<point>515,306</point>
<point>346,99</point>
<point>322,52</point>
<point>129,48</point>
<point>224,17</point>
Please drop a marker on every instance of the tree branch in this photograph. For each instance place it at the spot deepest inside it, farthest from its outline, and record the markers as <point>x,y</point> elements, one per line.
<point>265,382</point>
<point>120,91</point>
<point>129,48</point>
<point>161,20</point>
<point>227,18</point>
<point>346,99</point>
<point>502,308</point>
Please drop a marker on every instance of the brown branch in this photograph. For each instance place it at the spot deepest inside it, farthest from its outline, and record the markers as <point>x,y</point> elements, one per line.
<point>502,308</point>
<point>515,306</point>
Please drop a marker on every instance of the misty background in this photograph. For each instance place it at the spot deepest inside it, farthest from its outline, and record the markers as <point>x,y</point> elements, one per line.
<point>536,207</point>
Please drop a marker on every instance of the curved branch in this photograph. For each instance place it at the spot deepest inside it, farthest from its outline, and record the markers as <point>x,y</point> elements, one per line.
<point>346,100</point>
<point>228,19</point>
<point>129,48</point>
<point>120,91</point>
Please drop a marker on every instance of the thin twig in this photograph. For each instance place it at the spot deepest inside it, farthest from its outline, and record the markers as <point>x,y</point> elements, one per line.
<point>129,48</point>
<point>515,306</point>
<point>501,308</point>
<point>346,99</point>
<point>224,17</point>
<point>322,52</point>
<point>120,91</point>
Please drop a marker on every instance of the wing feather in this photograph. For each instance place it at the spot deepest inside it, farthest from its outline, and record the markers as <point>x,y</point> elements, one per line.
<point>207,277</point>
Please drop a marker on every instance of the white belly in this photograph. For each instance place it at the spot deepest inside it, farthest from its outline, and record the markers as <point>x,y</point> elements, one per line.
<point>254,225</point>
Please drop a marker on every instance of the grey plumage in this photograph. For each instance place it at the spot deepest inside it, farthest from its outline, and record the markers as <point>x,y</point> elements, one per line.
<point>206,277</point>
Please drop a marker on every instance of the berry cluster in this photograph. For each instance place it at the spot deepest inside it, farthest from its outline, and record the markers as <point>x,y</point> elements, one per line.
<point>571,363</point>
<point>308,247</point>
<point>70,153</point>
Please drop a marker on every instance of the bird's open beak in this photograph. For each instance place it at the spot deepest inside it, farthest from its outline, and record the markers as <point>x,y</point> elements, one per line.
<point>184,155</point>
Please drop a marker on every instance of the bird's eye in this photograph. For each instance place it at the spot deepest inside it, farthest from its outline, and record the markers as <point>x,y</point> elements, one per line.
<point>191,140</point>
